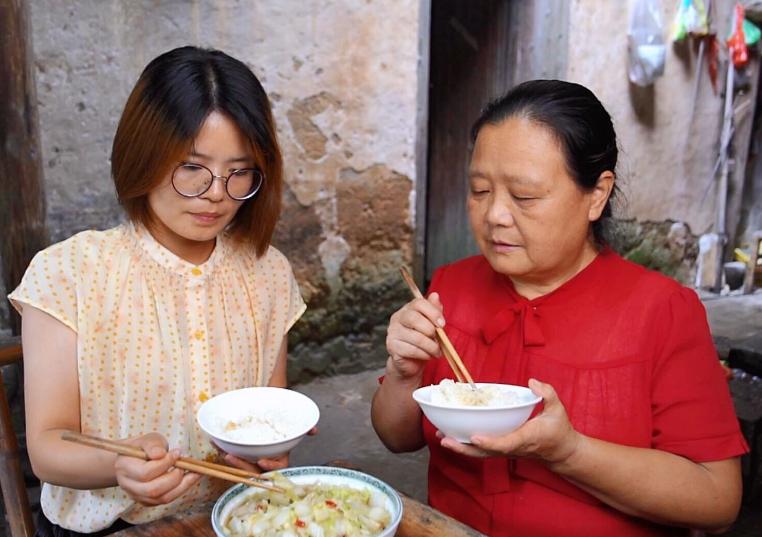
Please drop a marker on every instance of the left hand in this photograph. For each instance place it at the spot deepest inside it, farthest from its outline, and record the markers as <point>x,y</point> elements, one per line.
<point>262,465</point>
<point>549,436</point>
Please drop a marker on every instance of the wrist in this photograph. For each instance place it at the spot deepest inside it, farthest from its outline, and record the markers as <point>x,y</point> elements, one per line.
<point>567,460</point>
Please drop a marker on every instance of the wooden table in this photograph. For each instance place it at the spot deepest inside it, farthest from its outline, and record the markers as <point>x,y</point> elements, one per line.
<point>418,520</point>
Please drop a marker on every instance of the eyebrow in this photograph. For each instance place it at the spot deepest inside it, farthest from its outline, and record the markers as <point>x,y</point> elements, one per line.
<point>235,159</point>
<point>477,174</point>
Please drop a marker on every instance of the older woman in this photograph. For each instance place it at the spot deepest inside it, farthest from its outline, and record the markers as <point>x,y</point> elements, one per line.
<point>637,435</point>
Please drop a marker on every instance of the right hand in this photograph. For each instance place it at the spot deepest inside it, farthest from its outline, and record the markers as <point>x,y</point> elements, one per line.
<point>411,336</point>
<point>153,482</point>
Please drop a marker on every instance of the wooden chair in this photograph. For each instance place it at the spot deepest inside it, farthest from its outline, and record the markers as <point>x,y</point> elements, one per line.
<point>15,497</point>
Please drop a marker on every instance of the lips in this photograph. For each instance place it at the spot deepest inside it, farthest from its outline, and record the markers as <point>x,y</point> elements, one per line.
<point>206,218</point>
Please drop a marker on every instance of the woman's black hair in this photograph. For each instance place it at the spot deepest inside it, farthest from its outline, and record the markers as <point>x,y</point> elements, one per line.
<point>577,119</point>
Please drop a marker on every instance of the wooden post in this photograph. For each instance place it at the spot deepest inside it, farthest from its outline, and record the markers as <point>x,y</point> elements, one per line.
<point>22,200</point>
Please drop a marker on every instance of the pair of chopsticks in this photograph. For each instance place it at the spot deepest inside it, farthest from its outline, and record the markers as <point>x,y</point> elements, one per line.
<point>220,471</point>
<point>450,354</point>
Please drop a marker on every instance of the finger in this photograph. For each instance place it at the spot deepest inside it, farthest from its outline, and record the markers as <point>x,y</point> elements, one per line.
<point>463,449</point>
<point>139,470</point>
<point>188,480</point>
<point>272,464</point>
<point>155,488</point>
<point>313,431</point>
<point>154,445</point>
<point>500,445</point>
<point>546,391</point>
<point>435,300</point>
<point>232,460</point>
<point>419,321</point>
<point>412,344</point>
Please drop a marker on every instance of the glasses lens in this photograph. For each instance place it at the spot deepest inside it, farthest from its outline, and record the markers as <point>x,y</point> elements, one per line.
<point>191,180</point>
<point>244,183</point>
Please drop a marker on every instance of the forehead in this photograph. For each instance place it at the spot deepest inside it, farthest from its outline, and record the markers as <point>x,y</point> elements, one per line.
<point>518,148</point>
<point>220,131</point>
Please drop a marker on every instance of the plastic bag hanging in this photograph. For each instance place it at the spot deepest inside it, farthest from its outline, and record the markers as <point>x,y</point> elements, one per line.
<point>690,19</point>
<point>739,53</point>
<point>645,43</point>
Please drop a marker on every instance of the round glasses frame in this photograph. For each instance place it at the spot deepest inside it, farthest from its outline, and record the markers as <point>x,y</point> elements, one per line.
<point>225,178</point>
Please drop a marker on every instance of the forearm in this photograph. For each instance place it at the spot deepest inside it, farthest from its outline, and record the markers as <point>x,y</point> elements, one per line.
<point>653,484</point>
<point>66,464</point>
<point>396,417</point>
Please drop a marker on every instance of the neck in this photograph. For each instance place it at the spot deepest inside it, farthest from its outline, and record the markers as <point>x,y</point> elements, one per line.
<point>195,252</point>
<point>542,284</point>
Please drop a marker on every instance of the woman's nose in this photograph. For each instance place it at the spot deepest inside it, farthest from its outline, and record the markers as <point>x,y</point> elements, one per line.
<point>216,191</point>
<point>499,212</point>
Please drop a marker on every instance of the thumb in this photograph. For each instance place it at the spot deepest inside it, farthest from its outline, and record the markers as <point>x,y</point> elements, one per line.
<point>435,300</point>
<point>154,445</point>
<point>544,390</point>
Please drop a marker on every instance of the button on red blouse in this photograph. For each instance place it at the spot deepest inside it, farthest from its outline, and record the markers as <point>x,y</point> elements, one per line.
<point>631,357</point>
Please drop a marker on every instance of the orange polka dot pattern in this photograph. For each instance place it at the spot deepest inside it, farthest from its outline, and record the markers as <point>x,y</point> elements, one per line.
<point>155,336</point>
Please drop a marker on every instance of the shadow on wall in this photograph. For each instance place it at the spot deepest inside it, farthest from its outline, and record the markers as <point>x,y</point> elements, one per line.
<point>643,100</point>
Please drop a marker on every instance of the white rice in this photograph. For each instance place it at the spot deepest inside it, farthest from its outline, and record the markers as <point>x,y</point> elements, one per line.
<point>462,394</point>
<point>259,426</point>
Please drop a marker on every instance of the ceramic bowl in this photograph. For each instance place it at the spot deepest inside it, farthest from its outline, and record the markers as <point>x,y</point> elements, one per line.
<point>462,422</point>
<point>234,496</point>
<point>288,416</point>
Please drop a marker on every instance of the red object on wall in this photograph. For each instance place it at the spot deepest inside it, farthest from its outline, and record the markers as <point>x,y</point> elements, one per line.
<point>739,53</point>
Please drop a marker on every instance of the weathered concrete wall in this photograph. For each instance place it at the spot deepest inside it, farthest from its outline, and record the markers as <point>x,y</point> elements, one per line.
<point>343,79</point>
<point>666,161</point>
<point>668,145</point>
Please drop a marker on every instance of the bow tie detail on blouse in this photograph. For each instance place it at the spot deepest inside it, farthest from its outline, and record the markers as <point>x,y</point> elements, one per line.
<point>523,312</point>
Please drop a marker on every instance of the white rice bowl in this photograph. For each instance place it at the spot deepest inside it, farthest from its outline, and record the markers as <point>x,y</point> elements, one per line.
<point>252,423</point>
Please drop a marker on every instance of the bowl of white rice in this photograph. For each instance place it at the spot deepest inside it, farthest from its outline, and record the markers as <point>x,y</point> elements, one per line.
<point>253,423</point>
<point>460,412</point>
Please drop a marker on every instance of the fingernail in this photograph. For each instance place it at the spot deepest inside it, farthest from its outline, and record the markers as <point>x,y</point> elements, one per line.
<point>441,322</point>
<point>155,451</point>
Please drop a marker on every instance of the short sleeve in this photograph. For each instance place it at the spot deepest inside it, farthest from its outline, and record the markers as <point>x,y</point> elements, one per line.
<point>49,284</point>
<point>693,414</point>
<point>296,306</point>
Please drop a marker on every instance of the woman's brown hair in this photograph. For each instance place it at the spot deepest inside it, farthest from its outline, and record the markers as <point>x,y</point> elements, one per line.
<point>163,115</point>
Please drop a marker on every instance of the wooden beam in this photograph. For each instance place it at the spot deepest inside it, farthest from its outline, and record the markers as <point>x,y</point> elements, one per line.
<point>22,198</point>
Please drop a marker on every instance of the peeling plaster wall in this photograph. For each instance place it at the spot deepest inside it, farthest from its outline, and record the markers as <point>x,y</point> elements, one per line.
<point>668,150</point>
<point>343,79</point>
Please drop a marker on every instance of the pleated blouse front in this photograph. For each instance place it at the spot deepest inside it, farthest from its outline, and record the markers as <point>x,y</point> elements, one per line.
<point>156,336</point>
<point>631,357</point>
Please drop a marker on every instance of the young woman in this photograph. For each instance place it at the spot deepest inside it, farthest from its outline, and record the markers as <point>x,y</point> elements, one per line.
<point>127,331</point>
<point>637,436</point>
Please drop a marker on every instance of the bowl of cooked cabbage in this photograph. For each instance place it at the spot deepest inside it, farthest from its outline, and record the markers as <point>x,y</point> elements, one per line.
<point>460,412</point>
<point>252,423</point>
<point>318,501</point>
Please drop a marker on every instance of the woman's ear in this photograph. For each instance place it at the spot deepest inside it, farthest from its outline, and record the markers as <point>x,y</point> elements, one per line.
<point>600,195</point>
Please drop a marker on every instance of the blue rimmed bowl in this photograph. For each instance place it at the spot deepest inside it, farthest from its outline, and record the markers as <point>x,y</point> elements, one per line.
<point>306,475</point>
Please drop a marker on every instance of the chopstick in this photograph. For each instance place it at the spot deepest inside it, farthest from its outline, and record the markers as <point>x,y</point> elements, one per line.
<point>220,471</point>
<point>450,354</point>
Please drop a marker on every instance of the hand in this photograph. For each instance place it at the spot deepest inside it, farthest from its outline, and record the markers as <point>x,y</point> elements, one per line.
<point>261,466</point>
<point>153,482</point>
<point>411,336</point>
<point>549,436</point>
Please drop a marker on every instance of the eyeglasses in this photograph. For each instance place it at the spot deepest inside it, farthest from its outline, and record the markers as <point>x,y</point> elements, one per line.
<point>192,180</point>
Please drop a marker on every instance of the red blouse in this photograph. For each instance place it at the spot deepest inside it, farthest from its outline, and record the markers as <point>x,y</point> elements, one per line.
<point>631,357</point>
